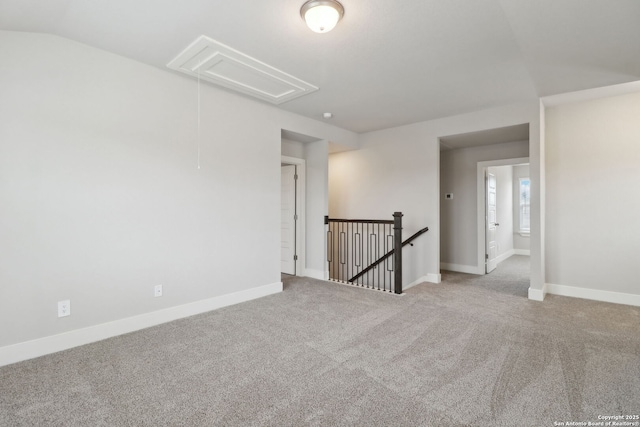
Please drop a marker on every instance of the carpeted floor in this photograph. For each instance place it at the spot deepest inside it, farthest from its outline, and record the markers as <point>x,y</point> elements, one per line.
<point>510,277</point>
<point>455,354</point>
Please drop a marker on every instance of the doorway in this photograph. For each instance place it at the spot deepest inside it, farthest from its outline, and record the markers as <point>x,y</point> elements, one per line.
<point>502,230</point>
<point>463,157</point>
<point>288,219</point>
<point>292,198</point>
<point>491,223</point>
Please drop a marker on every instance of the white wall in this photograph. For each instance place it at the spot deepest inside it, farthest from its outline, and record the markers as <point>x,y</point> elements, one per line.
<point>292,148</point>
<point>537,168</point>
<point>101,197</point>
<point>593,164</point>
<point>316,155</point>
<point>521,242</point>
<point>459,216</point>
<point>399,169</point>
<point>504,209</point>
<point>383,177</point>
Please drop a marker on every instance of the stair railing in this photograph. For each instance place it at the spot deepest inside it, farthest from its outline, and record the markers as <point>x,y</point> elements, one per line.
<point>363,252</point>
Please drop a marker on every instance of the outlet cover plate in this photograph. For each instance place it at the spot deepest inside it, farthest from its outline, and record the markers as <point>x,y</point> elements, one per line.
<point>64,308</point>
<point>157,291</point>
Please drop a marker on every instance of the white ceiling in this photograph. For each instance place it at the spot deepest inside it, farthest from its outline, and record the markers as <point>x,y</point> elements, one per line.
<point>387,63</point>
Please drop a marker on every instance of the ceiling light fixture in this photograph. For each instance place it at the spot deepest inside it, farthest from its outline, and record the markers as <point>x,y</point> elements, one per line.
<point>322,15</point>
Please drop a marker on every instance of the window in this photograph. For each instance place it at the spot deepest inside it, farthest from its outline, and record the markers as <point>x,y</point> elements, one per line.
<point>525,205</point>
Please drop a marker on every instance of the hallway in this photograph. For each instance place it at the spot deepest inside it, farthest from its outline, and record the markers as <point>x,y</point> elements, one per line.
<point>510,277</point>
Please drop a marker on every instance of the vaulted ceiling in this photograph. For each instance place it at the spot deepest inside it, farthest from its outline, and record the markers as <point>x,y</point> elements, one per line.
<point>387,63</point>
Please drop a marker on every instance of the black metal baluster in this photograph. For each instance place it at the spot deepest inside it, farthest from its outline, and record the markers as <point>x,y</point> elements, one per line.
<point>385,265</point>
<point>360,250</point>
<point>358,258</point>
<point>330,251</point>
<point>368,253</point>
<point>372,252</point>
<point>378,254</point>
<point>338,255</point>
<point>386,249</point>
<point>330,254</point>
<point>374,243</point>
<point>334,250</point>
<point>346,252</point>
<point>397,238</point>
<point>353,250</point>
<point>364,240</point>
<point>372,239</point>
<point>337,249</point>
<point>345,227</point>
<point>348,246</point>
<point>340,252</point>
<point>389,261</point>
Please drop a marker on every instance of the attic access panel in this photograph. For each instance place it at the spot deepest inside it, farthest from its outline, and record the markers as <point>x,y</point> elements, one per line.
<point>221,65</point>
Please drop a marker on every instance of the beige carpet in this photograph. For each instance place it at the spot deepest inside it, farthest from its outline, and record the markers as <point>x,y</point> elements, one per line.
<point>465,352</point>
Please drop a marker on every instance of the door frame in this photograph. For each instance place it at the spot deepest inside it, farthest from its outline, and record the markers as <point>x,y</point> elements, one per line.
<point>481,209</point>
<point>288,196</point>
<point>300,211</point>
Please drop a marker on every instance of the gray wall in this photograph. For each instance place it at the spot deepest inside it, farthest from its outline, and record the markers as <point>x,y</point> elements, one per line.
<point>593,207</point>
<point>101,197</point>
<point>390,174</point>
<point>399,169</point>
<point>459,217</point>
<point>292,148</point>
<point>317,200</point>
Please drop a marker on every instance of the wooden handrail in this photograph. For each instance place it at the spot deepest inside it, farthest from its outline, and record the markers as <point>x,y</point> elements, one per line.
<point>388,254</point>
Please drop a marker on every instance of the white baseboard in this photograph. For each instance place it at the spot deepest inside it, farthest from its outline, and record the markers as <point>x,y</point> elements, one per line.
<point>433,278</point>
<point>522,252</point>
<point>430,277</point>
<point>54,343</point>
<point>504,256</point>
<point>461,268</point>
<point>415,282</point>
<point>594,294</point>
<point>316,274</point>
<point>537,294</point>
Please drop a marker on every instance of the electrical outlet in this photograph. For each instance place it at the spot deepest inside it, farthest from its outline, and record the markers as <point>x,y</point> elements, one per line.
<point>64,308</point>
<point>157,291</point>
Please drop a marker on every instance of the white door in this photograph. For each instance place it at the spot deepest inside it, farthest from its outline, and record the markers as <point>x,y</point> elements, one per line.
<point>288,219</point>
<point>491,224</point>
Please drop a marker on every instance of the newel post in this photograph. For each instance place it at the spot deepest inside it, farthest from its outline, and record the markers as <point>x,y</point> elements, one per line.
<point>397,252</point>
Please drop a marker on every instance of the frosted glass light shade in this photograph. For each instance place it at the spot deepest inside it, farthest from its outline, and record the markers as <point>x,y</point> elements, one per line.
<point>321,16</point>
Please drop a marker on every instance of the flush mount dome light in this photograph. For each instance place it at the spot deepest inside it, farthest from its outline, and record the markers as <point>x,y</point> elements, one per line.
<point>321,15</point>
